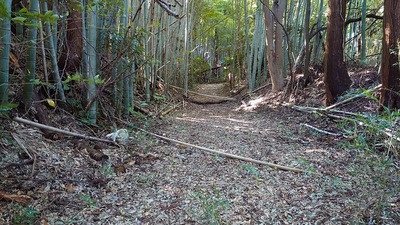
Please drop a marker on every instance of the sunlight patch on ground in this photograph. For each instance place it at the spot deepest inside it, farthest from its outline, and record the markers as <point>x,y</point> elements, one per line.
<point>256,103</point>
<point>235,124</point>
<point>233,120</point>
<point>315,150</point>
<point>252,104</point>
<point>192,119</point>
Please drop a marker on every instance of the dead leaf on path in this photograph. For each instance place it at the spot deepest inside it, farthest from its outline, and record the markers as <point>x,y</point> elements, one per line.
<point>119,168</point>
<point>96,154</point>
<point>70,187</point>
<point>24,199</point>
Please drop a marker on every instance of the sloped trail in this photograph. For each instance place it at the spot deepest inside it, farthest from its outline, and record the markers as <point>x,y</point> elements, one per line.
<point>256,194</point>
<point>182,185</point>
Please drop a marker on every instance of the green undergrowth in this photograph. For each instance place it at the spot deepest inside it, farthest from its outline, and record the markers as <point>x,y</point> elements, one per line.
<point>25,215</point>
<point>372,140</point>
<point>212,205</point>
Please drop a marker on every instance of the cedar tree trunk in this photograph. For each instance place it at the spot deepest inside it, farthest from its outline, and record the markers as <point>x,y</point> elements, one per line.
<point>273,22</point>
<point>390,93</point>
<point>71,56</point>
<point>336,78</point>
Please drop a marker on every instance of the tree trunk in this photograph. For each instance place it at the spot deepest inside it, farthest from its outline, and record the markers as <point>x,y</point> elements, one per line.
<point>307,78</point>
<point>318,39</point>
<point>5,41</point>
<point>53,55</point>
<point>125,98</point>
<point>363,54</point>
<point>70,60</point>
<point>186,50</point>
<point>246,39</point>
<point>273,24</point>
<point>336,79</point>
<point>390,94</point>
<point>147,51</point>
<point>31,57</point>
<point>92,62</point>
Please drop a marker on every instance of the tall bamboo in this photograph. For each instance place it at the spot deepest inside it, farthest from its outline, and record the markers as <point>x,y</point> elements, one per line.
<point>246,39</point>
<point>317,48</point>
<point>54,28</point>
<point>126,75</point>
<point>186,49</point>
<point>363,54</point>
<point>147,51</point>
<point>307,42</point>
<point>53,55</point>
<point>92,61</point>
<point>5,41</point>
<point>31,57</point>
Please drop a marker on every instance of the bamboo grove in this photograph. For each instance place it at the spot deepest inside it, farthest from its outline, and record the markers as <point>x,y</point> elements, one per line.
<point>121,53</point>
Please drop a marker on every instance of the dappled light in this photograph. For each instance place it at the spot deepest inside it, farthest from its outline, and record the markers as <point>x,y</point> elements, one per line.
<point>252,104</point>
<point>199,112</point>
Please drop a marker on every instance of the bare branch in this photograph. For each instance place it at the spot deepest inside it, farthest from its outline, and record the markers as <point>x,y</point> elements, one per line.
<point>167,7</point>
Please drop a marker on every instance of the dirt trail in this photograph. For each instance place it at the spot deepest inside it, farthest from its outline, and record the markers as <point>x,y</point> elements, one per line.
<point>218,89</point>
<point>182,185</point>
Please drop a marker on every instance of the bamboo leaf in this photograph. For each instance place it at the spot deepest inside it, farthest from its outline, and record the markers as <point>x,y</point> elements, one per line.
<point>49,13</point>
<point>51,103</point>
<point>8,106</point>
<point>23,10</point>
<point>19,19</point>
<point>3,10</point>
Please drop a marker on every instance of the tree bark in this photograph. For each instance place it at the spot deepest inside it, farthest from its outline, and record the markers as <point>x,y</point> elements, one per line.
<point>91,62</point>
<point>306,72</point>
<point>30,69</point>
<point>273,24</point>
<point>390,93</point>
<point>71,57</point>
<point>336,79</point>
<point>5,43</point>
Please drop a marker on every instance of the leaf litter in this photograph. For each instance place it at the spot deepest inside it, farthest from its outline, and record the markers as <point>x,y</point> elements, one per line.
<point>151,181</point>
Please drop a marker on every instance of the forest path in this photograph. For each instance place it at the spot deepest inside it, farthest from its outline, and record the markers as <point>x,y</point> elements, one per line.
<point>176,184</point>
<point>208,188</point>
<point>216,89</point>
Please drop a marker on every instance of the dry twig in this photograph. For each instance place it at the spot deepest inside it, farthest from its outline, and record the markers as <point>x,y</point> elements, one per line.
<point>41,126</point>
<point>353,97</point>
<point>272,165</point>
<point>322,131</point>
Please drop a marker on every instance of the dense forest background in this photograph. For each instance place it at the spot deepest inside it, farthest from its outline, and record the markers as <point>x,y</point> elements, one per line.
<point>123,94</point>
<point>135,51</point>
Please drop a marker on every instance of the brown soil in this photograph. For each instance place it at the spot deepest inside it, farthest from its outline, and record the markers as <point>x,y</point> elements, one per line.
<point>150,181</point>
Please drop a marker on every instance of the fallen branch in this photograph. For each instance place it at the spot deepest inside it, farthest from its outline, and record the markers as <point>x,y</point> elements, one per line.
<point>21,145</point>
<point>272,165</point>
<point>363,94</point>
<point>18,164</point>
<point>322,131</point>
<point>31,156</point>
<point>24,199</point>
<point>328,111</point>
<point>386,132</point>
<point>41,126</point>
<point>164,113</point>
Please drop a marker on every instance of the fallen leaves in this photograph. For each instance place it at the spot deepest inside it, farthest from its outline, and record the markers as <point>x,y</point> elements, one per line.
<point>23,199</point>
